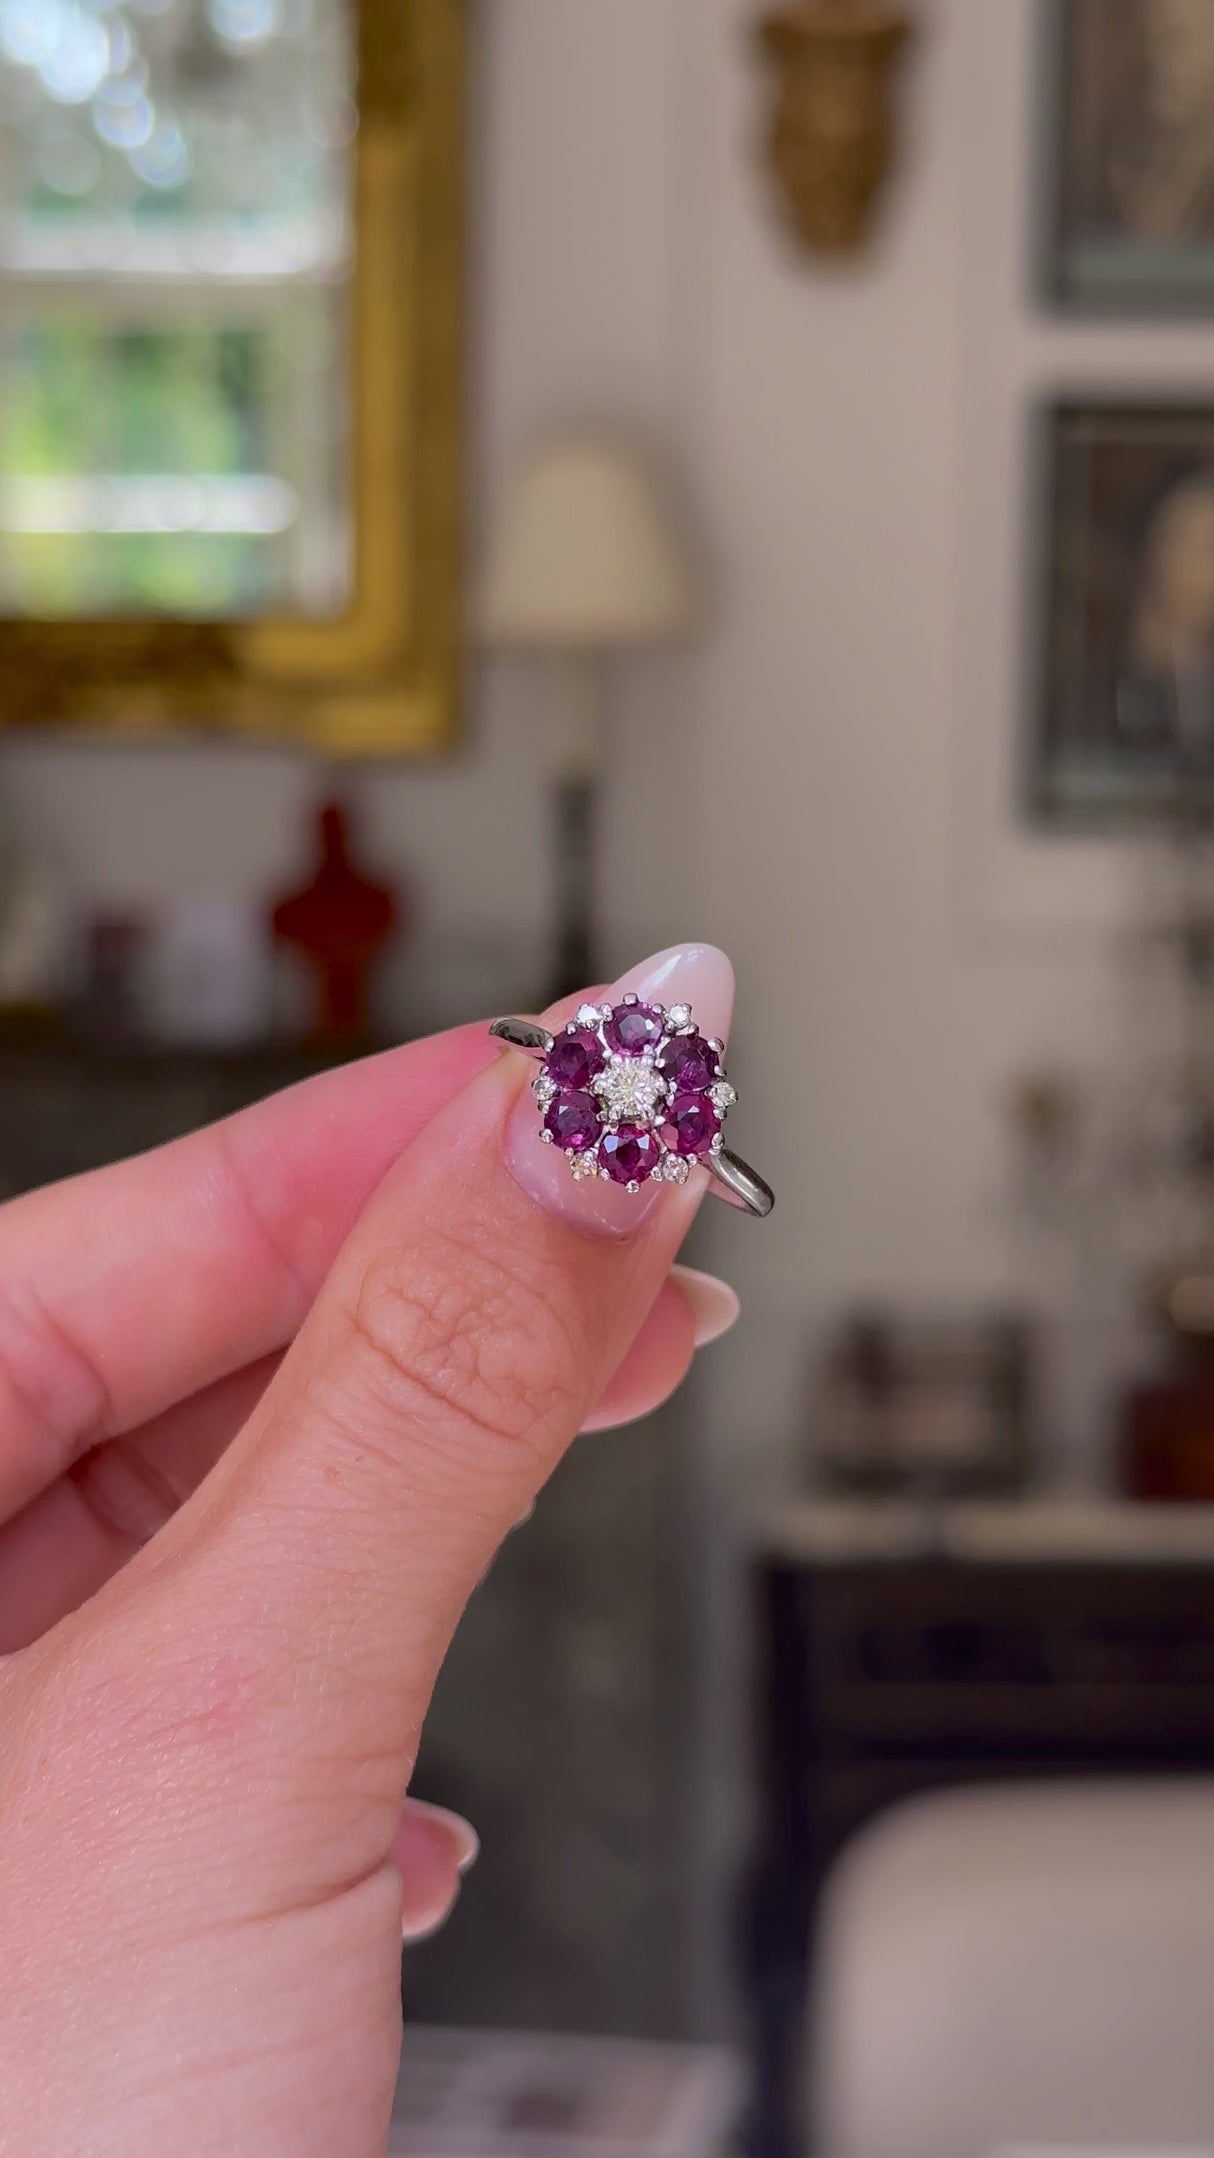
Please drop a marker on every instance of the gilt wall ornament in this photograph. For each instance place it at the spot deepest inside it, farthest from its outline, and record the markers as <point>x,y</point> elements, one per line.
<point>832,138</point>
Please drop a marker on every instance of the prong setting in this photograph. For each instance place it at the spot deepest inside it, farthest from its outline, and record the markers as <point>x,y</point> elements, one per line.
<point>643,1090</point>
<point>633,1092</point>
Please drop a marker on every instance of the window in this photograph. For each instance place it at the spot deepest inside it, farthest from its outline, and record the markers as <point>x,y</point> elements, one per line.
<point>175,237</point>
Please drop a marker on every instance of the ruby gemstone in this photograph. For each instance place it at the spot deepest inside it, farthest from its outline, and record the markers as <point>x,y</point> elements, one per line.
<point>690,1125</point>
<point>630,1154</point>
<point>633,1027</point>
<point>689,1063</point>
<point>574,1122</point>
<point>574,1059</point>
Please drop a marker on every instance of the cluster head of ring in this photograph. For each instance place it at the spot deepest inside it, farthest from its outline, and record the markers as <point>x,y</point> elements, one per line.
<point>631,1091</point>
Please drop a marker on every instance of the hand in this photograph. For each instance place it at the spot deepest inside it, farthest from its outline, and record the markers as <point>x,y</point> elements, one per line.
<point>269,1401</point>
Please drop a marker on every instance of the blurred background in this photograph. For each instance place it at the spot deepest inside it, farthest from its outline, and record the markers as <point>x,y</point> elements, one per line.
<point>490,488</point>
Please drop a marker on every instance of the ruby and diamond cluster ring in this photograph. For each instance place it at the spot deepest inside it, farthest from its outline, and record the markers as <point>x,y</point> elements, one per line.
<point>632,1092</point>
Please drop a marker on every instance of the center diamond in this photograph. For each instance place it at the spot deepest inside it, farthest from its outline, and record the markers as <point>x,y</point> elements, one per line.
<point>630,1090</point>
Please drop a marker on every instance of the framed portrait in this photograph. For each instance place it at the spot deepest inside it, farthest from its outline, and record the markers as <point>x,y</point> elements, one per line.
<point>1130,100</point>
<point>1124,727</point>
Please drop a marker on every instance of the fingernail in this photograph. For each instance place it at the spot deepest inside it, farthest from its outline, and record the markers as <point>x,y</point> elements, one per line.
<point>694,974</point>
<point>424,1929</point>
<point>714,1306</point>
<point>463,1835</point>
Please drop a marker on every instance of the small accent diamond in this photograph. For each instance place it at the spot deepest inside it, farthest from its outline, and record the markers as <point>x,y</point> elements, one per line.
<point>674,1169</point>
<point>679,1015</point>
<point>583,1165</point>
<point>722,1095</point>
<point>544,1090</point>
<point>588,1015</point>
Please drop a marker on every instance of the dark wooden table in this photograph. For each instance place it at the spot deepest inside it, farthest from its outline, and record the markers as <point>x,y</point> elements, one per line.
<point>68,1104</point>
<point>880,1677</point>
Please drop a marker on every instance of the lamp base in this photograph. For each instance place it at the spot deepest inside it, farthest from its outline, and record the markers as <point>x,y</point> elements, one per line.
<point>574,816</point>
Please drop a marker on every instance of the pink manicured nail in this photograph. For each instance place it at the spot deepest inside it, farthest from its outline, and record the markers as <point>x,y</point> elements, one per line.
<point>415,1929</point>
<point>714,1306</point>
<point>694,974</point>
<point>462,1834</point>
<point>430,1894</point>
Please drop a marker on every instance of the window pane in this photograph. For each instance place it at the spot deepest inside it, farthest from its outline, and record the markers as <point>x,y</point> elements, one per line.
<point>175,233</point>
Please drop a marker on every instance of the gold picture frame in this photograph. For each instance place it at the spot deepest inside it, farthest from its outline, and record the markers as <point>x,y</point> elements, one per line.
<point>381,678</point>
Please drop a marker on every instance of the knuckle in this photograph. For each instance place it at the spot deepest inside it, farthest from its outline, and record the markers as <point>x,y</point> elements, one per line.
<point>97,1711</point>
<point>206,1698</point>
<point>474,1338</point>
<point>129,1494</point>
<point>51,1391</point>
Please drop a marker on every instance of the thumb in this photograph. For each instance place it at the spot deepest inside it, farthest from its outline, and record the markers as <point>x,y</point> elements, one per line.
<point>464,1334</point>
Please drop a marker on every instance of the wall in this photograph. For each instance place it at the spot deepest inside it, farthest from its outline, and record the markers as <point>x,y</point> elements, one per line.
<point>823,784</point>
<point>826,777</point>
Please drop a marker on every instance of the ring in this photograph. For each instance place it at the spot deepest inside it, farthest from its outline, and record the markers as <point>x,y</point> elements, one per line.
<point>632,1091</point>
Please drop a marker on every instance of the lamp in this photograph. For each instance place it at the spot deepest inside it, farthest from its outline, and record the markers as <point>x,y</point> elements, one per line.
<point>585,562</point>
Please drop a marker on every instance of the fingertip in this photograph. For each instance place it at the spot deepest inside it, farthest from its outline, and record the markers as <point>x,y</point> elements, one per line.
<point>715,1307</point>
<point>654,1368</point>
<point>432,1850</point>
<point>697,974</point>
<point>449,1827</point>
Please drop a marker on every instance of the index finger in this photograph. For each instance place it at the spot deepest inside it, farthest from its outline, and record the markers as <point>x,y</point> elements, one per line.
<point>127,1289</point>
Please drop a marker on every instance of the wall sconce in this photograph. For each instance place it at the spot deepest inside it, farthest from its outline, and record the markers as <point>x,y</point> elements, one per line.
<point>832,137</point>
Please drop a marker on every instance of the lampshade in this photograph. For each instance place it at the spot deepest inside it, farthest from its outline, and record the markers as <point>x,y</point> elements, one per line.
<point>585,557</point>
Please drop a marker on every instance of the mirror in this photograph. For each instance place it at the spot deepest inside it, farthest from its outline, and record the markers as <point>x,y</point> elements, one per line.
<point>229,343</point>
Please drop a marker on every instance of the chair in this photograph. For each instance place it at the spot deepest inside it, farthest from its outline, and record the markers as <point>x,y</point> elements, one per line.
<point>1019,1965</point>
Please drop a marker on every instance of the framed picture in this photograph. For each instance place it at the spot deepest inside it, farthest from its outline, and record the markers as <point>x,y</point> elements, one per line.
<point>1130,98</point>
<point>933,1404</point>
<point>1124,728</point>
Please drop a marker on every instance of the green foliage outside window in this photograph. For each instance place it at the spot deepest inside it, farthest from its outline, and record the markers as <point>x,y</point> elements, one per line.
<point>83,399</point>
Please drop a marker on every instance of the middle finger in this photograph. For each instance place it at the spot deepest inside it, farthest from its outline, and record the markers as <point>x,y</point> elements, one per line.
<point>62,1547</point>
